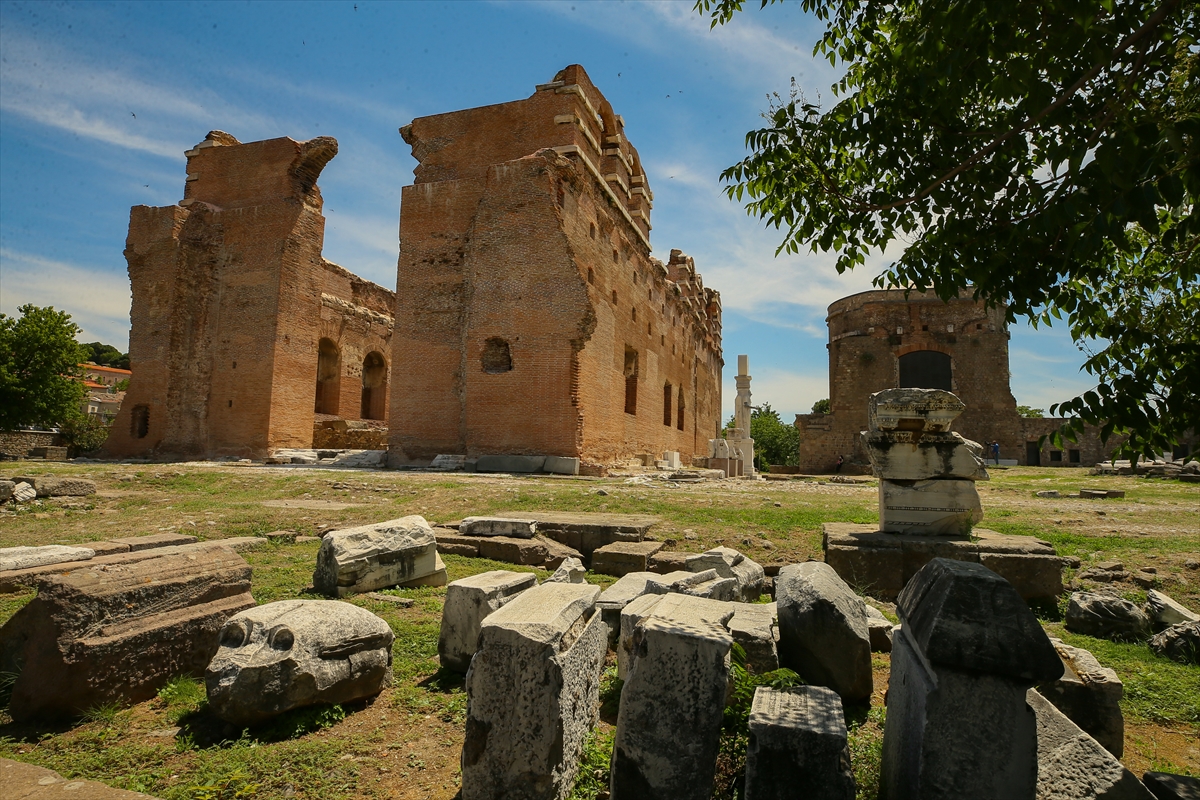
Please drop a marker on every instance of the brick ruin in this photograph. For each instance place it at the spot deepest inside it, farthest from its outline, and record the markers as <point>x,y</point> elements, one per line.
<point>881,339</point>
<point>531,317</point>
<point>242,333</point>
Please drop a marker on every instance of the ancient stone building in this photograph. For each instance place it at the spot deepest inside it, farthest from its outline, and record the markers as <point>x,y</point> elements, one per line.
<point>530,315</point>
<point>881,339</point>
<point>241,331</point>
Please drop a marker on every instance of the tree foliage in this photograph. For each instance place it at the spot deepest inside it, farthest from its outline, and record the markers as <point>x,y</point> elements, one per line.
<point>1030,412</point>
<point>39,364</point>
<point>775,442</point>
<point>105,355</point>
<point>1041,154</point>
<point>821,406</point>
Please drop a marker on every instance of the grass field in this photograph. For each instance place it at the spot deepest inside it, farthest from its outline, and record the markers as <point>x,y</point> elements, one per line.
<point>406,743</point>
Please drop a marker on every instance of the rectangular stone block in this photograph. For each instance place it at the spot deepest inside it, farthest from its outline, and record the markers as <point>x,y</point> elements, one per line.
<point>672,704</point>
<point>1036,577</point>
<point>934,507</point>
<point>755,627</point>
<point>436,578</point>
<point>561,465</point>
<point>798,738</point>
<point>1090,695</point>
<point>876,571</point>
<point>905,456</point>
<point>665,561</point>
<point>585,531</point>
<point>612,600</point>
<point>454,544</point>
<point>620,558</point>
<point>18,558</point>
<point>153,540</point>
<point>378,556</point>
<point>107,548</point>
<point>533,692</point>
<point>468,603</point>
<point>513,550</point>
<point>729,563</point>
<point>498,526</point>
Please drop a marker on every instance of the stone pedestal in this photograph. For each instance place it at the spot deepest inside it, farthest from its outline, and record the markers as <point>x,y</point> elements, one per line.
<point>469,602</point>
<point>798,739</point>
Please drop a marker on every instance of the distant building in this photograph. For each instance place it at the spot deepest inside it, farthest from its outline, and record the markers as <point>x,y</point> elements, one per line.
<point>102,400</point>
<point>98,377</point>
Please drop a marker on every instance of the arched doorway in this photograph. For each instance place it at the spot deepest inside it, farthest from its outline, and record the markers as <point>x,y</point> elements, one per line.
<point>926,369</point>
<point>374,386</point>
<point>329,370</point>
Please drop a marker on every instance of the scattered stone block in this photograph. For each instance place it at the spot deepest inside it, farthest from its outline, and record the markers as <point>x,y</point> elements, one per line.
<point>709,585</point>
<point>1090,695</point>
<point>295,653</point>
<point>396,600</point>
<point>620,558</point>
<point>1165,786</point>
<point>377,556</point>
<point>798,738</point>
<point>557,552</point>
<point>27,557</point>
<point>754,627</point>
<point>1101,494</point>
<point>532,694</point>
<point>23,781</point>
<point>673,701</point>
<point>1072,765</point>
<point>117,632</point>
<point>155,540</point>
<point>929,508</point>
<point>514,551</point>
<point>60,487</point>
<point>1033,576</point>
<point>280,536</point>
<point>613,600</point>
<point>240,544</point>
<point>1049,494</point>
<point>879,630</point>
<point>107,548</point>
<point>569,571</point>
<point>966,651</point>
<point>665,561</point>
<point>453,544</point>
<point>823,632</point>
<point>729,563</point>
<point>515,464</point>
<point>631,616</point>
<point>498,526</point>
<point>1106,617</point>
<point>436,578</point>
<point>905,456</point>
<point>561,465</point>
<point>1180,642</point>
<point>924,410</point>
<point>585,531</point>
<point>23,492</point>
<point>1165,612</point>
<point>6,490</point>
<point>468,603</point>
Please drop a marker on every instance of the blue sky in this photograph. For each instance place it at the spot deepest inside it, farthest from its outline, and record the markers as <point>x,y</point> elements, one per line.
<point>98,101</point>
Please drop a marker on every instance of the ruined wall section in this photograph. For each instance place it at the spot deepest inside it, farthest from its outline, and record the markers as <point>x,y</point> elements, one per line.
<point>356,315</point>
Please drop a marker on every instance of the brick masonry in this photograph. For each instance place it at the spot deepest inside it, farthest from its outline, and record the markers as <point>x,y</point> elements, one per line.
<point>233,304</point>
<point>528,306</point>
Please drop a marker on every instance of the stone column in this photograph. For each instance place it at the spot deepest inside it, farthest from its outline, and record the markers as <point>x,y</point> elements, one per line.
<point>741,441</point>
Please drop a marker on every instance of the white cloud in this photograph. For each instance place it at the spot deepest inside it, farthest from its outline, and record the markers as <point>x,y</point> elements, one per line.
<point>97,298</point>
<point>789,393</point>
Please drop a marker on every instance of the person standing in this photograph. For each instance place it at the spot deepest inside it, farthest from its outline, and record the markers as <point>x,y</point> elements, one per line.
<point>996,452</point>
<point>838,467</point>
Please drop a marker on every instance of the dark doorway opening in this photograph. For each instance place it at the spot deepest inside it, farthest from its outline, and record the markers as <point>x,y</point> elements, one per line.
<point>1033,454</point>
<point>925,369</point>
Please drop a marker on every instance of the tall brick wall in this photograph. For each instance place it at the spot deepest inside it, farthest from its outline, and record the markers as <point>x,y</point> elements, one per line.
<point>230,299</point>
<point>527,231</point>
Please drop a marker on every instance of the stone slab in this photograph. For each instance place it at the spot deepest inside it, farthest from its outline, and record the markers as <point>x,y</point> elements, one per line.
<point>107,548</point>
<point>521,528</point>
<point>241,544</point>
<point>378,556</point>
<point>561,465</point>
<point>23,781</point>
<point>153,540</point>
<point>438,577</point>
<point>19,558</point>
<point>755,627</point>
<point>557,552</point>
<point>931,508</point>
<point>910,409</point>
<point>798,738</point>
<point>51,486</point>
<point>903,455</point>
<point>585,531</point>
<point>513,551</point>
<point>665,561</point>
<point>514,464</point>
<point>620,558</point>
<point>469,601</point>
<point>1090,695</point>
<point>1166,786</point>
<point>454,544</point>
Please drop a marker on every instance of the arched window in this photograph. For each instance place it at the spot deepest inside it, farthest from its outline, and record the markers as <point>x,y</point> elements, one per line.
<point>374,387</point>
<point>679,416</point>
<point>925,369</point>
<point>667,399</point>
<point>497,356</point>
<point>329,371</point>
<point>139,422</point>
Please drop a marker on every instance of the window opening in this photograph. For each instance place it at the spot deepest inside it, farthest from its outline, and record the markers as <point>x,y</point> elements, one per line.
<point>631,379</point>
<point>679,416</point>
<point>668,400</point>
<point>374,387</point>
<point>925,369</point>
<point>497,356</point>
<point>329,368</point>
<point>139,422</point>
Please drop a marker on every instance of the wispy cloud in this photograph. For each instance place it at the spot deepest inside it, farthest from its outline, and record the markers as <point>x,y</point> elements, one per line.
<point>97,298</point>
<point>789,392</point>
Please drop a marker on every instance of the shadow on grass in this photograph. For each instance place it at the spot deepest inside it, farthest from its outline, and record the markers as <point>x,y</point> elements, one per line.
<point>203,729</point>
<point>444,681</point>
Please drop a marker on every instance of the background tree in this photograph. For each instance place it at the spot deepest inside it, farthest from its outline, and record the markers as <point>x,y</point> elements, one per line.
<point>106,355</point>
<point>821,406</point>
<point>775,442</point>
<point>1029,412</point>
<point>1044,154</point>
<point>39,367</point>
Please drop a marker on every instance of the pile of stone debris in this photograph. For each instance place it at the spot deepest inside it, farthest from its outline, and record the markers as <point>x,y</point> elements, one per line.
<point>1172,629</point>
<point>23,489</point>
<point>1187,470</point>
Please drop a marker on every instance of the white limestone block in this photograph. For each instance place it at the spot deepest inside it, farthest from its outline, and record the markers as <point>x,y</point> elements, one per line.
<point>376,556</point>
<point>934,507</point>
<point>930,410</point>
<point>498,526</point>
<point>469,602</point>
<point>905,456</point>
<point>27,557</point>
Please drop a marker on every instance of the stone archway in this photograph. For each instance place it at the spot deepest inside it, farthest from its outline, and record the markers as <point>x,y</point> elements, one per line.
<point>374,387</point>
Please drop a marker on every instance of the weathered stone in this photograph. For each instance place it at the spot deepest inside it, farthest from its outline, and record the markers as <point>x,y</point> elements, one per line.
<point>376,556</point>
<point>453,544</point>
<point>798,739</point>
<point>515,464</point>
<point>438,577</point>
<point>585,531</point>
<point>665,561</point>
<point>729,563</point>
<point>6,490</point>
<point>64,487</point>
<point>107,548</point>
<point>1106,617</point>
<point>154,540</point>
<point>754,627</point>
<point>1165,612</point>
<point>27,557</point>
<point>1072,765</point>
<point>280,536</point>
<point>907,456</point>
<point>930,508</point>
<point>1165,786</point>
<point>513,551</point>
<point>1033,576</point>
<point>1180,642</point>
<point>532,694</point>
<point>23,781</point>
<point>240,544</point>
<point>1049,493</point>
<point>557,552</point>
<point>620,558</point>
<point>469,601</point>
<point>498,526</point>
<point>117,632</point>
<point>561,465</point>
<point>613,600</point>
<point>909,409</point>
<point>673,701</point>
<point>23,492</point>
<point>295,653</point>
<point>879,629</point>
<point>631,616</point>
<point>707,584</point>
<point>569,571</point>
<point>1090,695</point>
<point>823,633</point>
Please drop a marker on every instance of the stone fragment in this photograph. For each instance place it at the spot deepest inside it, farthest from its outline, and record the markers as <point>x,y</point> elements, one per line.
<point>613,600</point>
<point>707,584</point>
<point>908,409</point>
<point>154,540</point>
<point>620,558</point>
<point>823,632</point>
<point>295,653</point>
<point>585,531</point>
<point>1049,493</point>
<point>23,492</point>
<point>23,781</point>
<point>27,557</point>
<point>117,632</point>
<point>498,526</point>
<point>6,490</point>
<point>1165,786</point>
<point>557,552</point>
<point>1033,576</point>
<point>561,465</point>
<point>754,627</point>
<point>240,544</point>
<point>280,536</point>
<point>1164,611</point>
<point>1072,765</point>
<point>436,578</point>
<point>1106,617</point>
<point>879,630</point>
<point>396,600</point>
<point>453,544</point>
<point>665,561</point>
<point>516,464</point>
<point>729,563</point>
<point>798,739</point>
<point>533,692</point>
<point>1180,642</point>
<point>958,724</point>
<point>1090,695</point>
<point>468,603</point>
<point>376,556</point>
<point>106,548</point>
<point>569,571</point>
<point>931,508</point>
<point>50,486</point>
<point>512,550</point>
<point>673,701</point>
<point>907,456</point>
<point>448,462</point>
